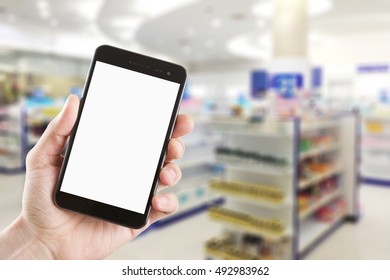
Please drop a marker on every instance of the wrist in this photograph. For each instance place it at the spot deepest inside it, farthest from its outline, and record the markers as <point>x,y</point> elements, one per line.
<point>18,242</point>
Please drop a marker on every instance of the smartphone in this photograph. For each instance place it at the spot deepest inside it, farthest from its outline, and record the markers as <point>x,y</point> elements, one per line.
<point>117,147</point>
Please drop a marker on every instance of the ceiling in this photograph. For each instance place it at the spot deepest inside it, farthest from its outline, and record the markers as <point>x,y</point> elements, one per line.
<point>191,31</point>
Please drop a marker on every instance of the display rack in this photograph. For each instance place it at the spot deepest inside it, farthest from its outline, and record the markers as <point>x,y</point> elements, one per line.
<point>286,185</point>
<point>12,139</point>
<point>198,168</point>
<point>376,150</point>
<point>40,111</point>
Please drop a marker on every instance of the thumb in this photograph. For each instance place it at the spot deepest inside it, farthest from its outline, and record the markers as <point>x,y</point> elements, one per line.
<point>56,134</point>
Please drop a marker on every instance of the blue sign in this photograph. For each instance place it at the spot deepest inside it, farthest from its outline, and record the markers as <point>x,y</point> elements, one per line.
<point>286,84</point>
<point>259,84</point>
<point>316,77</point>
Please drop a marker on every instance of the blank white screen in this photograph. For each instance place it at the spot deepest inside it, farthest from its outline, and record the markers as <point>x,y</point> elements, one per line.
<point>120,137</point>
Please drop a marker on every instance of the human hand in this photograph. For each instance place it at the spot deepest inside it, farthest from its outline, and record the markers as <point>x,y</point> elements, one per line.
<point>44,231</point>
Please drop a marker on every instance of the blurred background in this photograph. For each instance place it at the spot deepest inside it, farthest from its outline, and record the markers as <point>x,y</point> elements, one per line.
<point>290,156</point>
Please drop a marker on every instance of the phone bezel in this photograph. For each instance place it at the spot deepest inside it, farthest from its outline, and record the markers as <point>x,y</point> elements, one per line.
<point>142,64</point>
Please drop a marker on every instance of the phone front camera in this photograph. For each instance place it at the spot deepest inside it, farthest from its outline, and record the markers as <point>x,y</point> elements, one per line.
<point>168,73</point>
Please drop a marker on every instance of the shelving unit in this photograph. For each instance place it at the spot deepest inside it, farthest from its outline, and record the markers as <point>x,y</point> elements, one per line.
<point>376,150</point>
<point>39,114</point>
<point>12,139</point>
<point>328,179</point>
<point>259,187</point>
<point>198,168</point>
<point>317,158</point>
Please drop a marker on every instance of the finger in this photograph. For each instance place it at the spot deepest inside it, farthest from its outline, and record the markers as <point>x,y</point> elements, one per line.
<point>170,174</point>
<point>163,205</point>
<point>55,136</point>
<point>184,124</point>
<point>175,149</point>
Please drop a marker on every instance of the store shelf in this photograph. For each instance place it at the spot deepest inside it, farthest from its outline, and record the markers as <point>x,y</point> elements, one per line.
<point>312,230</point>
<point>339,153</point>
<point>194,179</point>
<point>322,202</point>
<point>319,151</point>
<point>316,126</point>
<point>254,133</point>
<point>225,251</point>
<point>256,201</point>
<point>261,169</point>
<point>252,130</point>
<point>264,234</point>
<point>251,194</point>
<point>12,139</point>
<point>376,149</point>
<point>377,176</point>
<point>250,228</point>
<point>377,119</point>
<point>184,164</point>
<point>303,184</point>
<point>200,142</point>
<point>377,134</point>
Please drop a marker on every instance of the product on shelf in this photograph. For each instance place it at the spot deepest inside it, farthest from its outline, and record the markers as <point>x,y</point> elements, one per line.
<point>331,212</point>
<point>12,136</point>
<point>254,191</point>
<point>308,143</point>
<point>315,166</point>
<point>246,221</point>
<point>310,196</point>
<point>244,246</point>
<point>236,155</point>
<point>375,127</point>
<point>225,249</point>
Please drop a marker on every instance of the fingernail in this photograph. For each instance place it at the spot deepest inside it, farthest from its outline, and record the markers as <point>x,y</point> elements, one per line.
<point>181,145</point>
<point>171,173</point>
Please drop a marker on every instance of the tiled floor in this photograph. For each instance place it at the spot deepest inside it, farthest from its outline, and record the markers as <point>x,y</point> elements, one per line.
<point>367,239</point>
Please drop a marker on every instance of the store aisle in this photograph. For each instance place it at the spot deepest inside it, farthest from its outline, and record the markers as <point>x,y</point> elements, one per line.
<point>367,239</point>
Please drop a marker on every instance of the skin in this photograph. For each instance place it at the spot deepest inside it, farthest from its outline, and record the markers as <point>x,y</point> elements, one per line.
<point>43,231</point>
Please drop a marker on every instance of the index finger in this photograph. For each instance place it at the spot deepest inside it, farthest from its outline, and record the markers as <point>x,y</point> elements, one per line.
<point>184,124</point>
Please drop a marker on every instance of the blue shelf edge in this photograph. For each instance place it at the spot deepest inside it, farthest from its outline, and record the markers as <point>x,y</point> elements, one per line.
<point>12,171</point>
<point>185,214</point>
<point>376,182</point>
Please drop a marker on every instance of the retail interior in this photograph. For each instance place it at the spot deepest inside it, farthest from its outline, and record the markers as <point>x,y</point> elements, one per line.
<point>290,154</point>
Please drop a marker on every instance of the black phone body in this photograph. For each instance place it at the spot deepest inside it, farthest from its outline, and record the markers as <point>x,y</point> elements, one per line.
<point>117,147</point>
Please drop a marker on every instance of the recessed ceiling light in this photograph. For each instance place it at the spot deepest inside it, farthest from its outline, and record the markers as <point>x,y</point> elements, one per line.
<point>45,14</point>
<point>43,9</point>
<point>216,23</point>
<point>127,22</point>
<point>266,8</point>
<point>42,4</point>
<point>244,46</point>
